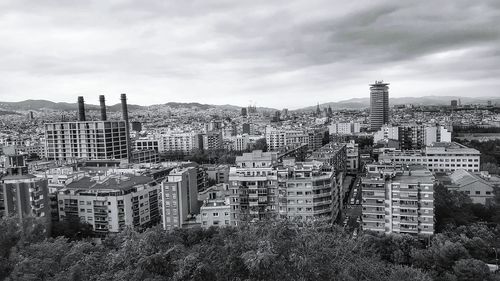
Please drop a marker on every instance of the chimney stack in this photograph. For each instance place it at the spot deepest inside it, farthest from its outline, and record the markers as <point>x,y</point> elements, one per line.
<point>103,108</point>
<point>127,127</point>
<point>81,109</point>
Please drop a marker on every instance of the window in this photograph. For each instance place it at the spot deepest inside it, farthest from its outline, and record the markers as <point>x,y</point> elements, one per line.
<point>215,215</point>
<point>204,214</point>
<point>478,192</point>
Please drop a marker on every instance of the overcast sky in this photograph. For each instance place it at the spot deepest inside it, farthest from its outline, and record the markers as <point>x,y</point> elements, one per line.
<point>273,53</point>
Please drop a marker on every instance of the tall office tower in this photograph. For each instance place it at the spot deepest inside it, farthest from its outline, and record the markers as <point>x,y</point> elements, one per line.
<point>307,191</point>
<point>379,105</point>
<point>21,194</point>
<point>254,187</point>
<point>179,197</point>
<point>454,103</point>
<point>398,199</point>
<point>88,139</point>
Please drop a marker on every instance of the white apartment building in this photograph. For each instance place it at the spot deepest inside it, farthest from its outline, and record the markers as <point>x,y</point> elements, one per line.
<point>438,157</point>
<point>398,199</point>
<point>277,138</point>
<point>344,128</point>
<point>184,142</point>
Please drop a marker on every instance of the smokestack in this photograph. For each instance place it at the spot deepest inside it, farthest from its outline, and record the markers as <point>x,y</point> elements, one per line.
<point>81,109</point>
<point>127,127</point>
<point>103,108</point>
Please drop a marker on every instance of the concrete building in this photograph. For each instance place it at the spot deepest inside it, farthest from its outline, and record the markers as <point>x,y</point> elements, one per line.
<point>254,187</point>
<point>184,142</point>
<point>379,105</point>
<point>22,194</point>
<point>111,201</point>
<point>212,140</point>
<point>179,195</point>
<point>89,139</point>
<point>278,138</point>
<point>308,191</point>
<point>344,128</point>
<point>412,136</point>
<point>398,199</point>
<point>86,139</point>
<point>218,174</point>
<point>438,157</point>
<point>216,209</point>
<point>352,160</point>
<point>147,144</point>
<point>479,189</point>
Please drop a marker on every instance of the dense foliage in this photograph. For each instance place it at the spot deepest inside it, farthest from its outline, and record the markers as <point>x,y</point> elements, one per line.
<point>490,153</point>
<point>267,251</point>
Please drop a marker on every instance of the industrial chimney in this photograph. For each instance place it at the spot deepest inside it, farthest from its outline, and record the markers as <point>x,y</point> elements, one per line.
<point>103,108</point>
<point>81,109</point>
<point>127,126</point>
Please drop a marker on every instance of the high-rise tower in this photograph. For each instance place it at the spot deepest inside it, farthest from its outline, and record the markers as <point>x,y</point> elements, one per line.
<point>379,105</point>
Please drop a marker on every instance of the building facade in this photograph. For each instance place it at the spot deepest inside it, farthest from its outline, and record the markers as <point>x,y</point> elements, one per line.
<point>398,200</point>
<point>86,139</point>
<point>379,105</point>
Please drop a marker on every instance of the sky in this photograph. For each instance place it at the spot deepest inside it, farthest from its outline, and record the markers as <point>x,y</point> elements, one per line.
<point>280,53</point>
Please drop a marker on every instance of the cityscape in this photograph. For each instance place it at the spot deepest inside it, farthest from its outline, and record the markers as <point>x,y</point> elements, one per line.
<point>374,185</point>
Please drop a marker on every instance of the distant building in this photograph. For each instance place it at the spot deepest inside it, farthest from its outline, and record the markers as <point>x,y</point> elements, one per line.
<point>243,111</point>
<point>184,142</point>
<point>454,103</point>
<point>379,105</point>
<point>212,140</point>
<point>136,126</point>
<point>219,174</point>
<point>438,157</point>
<point>86,139</point>
<point>147,144</point>
<point>277,138</point>
<point>398,200</point>
<point>344,128</point>
<point>413,136</point>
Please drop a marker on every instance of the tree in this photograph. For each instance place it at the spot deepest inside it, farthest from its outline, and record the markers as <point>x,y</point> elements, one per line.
<point>471,270</point>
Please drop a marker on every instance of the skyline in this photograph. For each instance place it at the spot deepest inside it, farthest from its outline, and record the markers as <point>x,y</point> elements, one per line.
<point>285,54</point>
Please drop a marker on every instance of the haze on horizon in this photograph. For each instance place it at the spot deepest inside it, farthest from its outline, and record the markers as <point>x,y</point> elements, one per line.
<point>272,53</point>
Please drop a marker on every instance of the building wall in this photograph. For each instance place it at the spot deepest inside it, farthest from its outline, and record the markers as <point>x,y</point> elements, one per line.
<point>86,139</point>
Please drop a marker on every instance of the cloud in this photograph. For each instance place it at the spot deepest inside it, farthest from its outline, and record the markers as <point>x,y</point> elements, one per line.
<point>277,53</point>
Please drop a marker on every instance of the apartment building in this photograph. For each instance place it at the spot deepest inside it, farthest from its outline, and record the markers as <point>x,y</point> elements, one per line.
<point>254,187</point>
<point>111,201</point>
<point>216,208</point>
<point>278,138</point>
<point>212,140</point>
<point>22,194</point>
<point>344,128</point>
<point>352,158</point>
<point>398,199</point>
<point>179,197</point>
<point>438,157</point>
<point>413,136</point>
<point>307,191</point>
<point>185,142</point>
